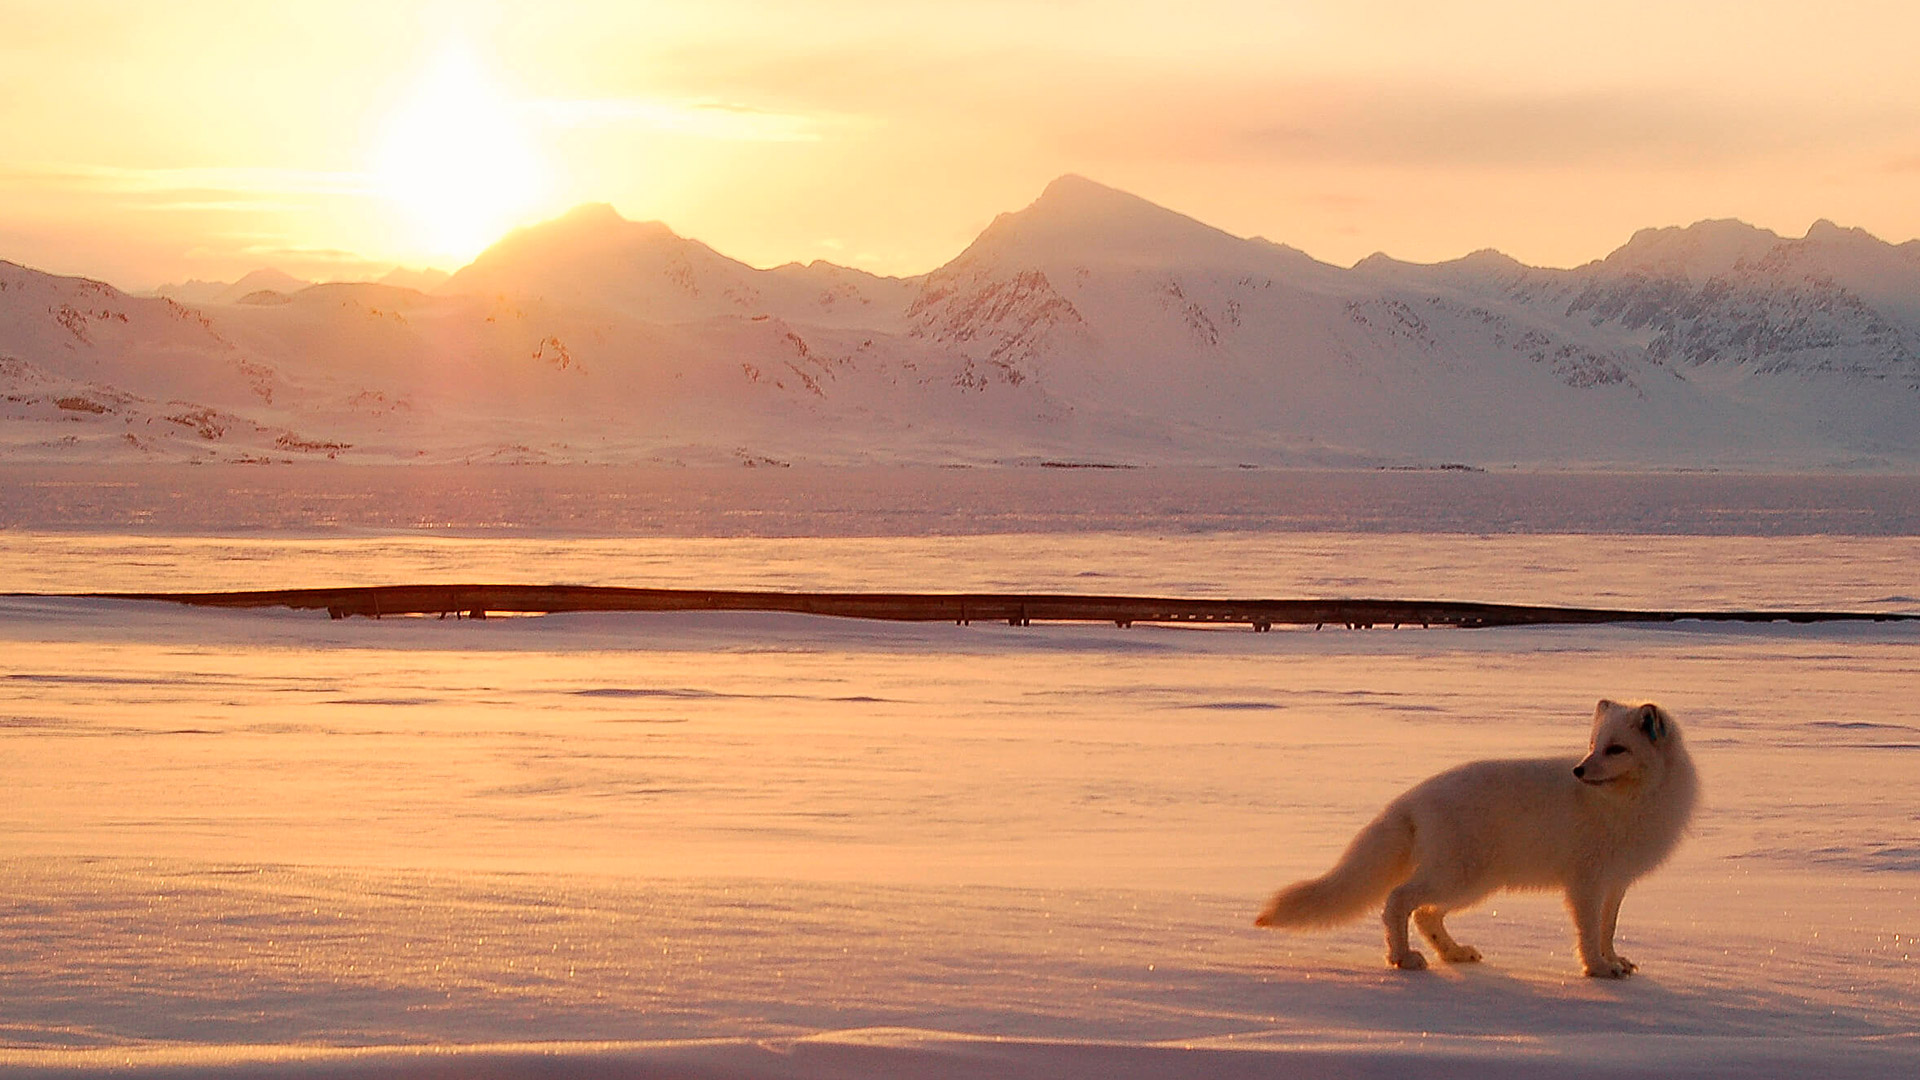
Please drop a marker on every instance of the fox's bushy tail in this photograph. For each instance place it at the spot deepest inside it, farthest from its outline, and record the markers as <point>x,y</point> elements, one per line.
<point>1377,860</point>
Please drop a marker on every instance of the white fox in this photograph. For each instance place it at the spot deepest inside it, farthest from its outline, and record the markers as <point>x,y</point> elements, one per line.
<point>1589,826</point>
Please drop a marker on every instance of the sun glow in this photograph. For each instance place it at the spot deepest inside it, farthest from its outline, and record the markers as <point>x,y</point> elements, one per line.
<point>458,161</point>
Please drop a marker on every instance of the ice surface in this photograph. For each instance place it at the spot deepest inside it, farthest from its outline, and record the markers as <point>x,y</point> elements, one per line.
<point>710,845</point>
<point>242,839</point>
<point>603,501</point>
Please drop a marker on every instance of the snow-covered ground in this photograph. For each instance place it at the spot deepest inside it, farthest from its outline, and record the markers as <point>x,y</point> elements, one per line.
<point>717,845</point>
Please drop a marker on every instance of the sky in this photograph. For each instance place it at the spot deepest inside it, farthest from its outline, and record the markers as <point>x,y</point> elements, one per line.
<point>143,143</point>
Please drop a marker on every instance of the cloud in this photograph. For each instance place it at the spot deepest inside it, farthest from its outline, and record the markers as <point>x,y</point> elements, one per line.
<point>1509,130</point>
<point>309,254</point>
<point>717,120</point>
<point>215,203</point>
<point>1443,128</point>
<point>227,181</point>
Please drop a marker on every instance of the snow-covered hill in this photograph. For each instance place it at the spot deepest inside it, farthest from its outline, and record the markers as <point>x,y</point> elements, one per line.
<point>1091,326</point>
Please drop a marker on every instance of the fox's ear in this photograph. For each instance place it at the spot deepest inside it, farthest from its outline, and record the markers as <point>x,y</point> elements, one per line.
<point>1652,722</point>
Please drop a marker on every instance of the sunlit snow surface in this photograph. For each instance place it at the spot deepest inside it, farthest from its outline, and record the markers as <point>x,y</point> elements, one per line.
<point>267,843</point>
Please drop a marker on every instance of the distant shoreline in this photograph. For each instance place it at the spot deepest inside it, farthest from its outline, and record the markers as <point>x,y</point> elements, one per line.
<point>882,501</point>
<point>1015,609</point>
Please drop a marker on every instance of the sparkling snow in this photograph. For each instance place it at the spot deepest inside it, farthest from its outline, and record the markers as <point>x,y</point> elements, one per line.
<point>266,843</point>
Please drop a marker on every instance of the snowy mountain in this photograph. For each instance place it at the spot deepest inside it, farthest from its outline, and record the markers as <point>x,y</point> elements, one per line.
<point>425,280</point>
<point>264,280</point>
<point>1091,326</point>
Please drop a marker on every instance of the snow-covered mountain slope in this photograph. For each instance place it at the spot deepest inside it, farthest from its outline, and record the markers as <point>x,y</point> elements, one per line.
<point>1143,316</point>
<point>593,258</point>
<point>382,373</point>
<point>1090,326</point>
<point>1818,337</point>
<point>424,280</point>
<point>264,280</point>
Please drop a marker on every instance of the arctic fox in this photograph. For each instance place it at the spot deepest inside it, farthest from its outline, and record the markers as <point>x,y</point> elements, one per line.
<point>1589,826</point>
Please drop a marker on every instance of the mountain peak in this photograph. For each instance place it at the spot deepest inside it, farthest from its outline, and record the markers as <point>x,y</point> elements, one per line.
<point>265,279</point>
<point>1489,259</point>
<point>587,226</point>
<point>589,241</point>
<point>593,256</point>
<point>1701,250</point>
<point>269,277</point>
<point>1485,259</point>
<point>592,214</point>
<point>426,279</point>
<point>1073,201</point>
<point>1825,231</point>
<point>1078,221</point>
<point>1071,190</point>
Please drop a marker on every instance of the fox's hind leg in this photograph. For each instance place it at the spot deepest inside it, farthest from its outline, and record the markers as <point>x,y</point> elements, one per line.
<point>1400,905</point>
<point>1423,892</point>
<point>1428,919</point>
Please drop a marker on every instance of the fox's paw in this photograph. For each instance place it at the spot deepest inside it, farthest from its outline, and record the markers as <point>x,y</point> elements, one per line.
<point>1411,960</point>
<point>1467,954</point>
<point>1615,968</point>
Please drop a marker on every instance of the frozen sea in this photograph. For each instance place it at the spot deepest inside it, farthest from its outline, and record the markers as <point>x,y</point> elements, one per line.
<point>708,845</point>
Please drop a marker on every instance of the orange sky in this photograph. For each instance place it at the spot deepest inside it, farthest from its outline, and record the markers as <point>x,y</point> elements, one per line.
<point>203,138</point>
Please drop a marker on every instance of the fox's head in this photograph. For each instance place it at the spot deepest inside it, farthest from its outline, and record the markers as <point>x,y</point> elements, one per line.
<point>1631,743</point>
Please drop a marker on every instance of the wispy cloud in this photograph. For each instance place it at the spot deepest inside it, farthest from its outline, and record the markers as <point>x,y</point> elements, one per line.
<point>718,120</point>
<point>1438,129</point>
<point>1411,125</point>
<point>261,182</point>
<point>307,254</point>
<point>200,202</point>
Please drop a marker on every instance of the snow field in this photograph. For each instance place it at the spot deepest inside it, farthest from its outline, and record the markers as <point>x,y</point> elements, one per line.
<point>706,845</point>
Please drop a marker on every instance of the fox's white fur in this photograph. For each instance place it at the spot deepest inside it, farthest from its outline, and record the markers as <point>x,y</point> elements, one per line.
<point>1588,826</point>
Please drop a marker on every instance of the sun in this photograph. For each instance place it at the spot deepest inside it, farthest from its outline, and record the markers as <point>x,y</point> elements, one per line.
<point>457,160</point>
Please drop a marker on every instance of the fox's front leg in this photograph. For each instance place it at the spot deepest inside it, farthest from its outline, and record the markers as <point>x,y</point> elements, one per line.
<point>1588,903</point>
<point>1610,920</point>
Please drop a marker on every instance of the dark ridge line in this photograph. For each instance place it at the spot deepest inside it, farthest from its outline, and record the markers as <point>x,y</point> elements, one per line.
<point>1018,609</point>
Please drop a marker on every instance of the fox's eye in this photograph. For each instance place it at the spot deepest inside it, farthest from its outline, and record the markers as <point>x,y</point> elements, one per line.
<point>1616,748</point>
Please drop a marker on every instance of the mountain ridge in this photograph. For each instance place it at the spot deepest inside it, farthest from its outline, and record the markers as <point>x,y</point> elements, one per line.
<point>1089,325</point>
